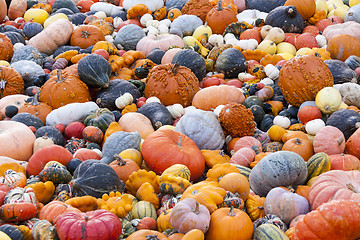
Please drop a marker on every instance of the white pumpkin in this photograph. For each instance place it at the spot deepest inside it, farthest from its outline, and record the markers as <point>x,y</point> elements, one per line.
<point>108,8</point>
<point>100,14</point>
<point>124,100</point>
<point>250,16</point>
<point>176,110</point>
<point>72,112</point>
<point>350,93</point>
<point>313,126</point>
<point>145,18</point>
<point>328,100</point>
<point>153,99</point>
<point>216,40</point>
<point>285,47</point>
<point>282,121</point>
<point>265,31</point>
<point>267,81</point>
<point>42,142</point>
<point>321,40</point>
<point>116,22</point>
<point>153,5</point>
<point>271,71</point>
<point>251,44</point>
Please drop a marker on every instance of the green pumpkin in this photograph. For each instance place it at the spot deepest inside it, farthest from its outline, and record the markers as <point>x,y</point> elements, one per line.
<point>144,209</point>
<point>55,172</point>
<point>127,229</point>
<point>318,164</point>
<point>95,71</point>
<point>269,231</point>
<point>231,62</point>
<point>100,118</point>
<point>253,100</point>
<point>43,230</point>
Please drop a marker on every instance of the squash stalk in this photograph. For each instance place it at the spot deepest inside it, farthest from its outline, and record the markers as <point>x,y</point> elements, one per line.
<point>220,8</point>
<point>196,210</point>
<point>3,83</point>
<point>231,212</point>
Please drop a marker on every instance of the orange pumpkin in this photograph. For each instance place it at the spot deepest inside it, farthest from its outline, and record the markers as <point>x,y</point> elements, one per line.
<point>219,17</point>
<point>306,8</point>
<point>54,209</point>
<point>86,35</point>
<point>342,46</point>
<point>236,183</point>
<point>39,109</point>
<point>346,162</point>
<point>17,9</point>
<point>301,146</point>
<point>3,10</point>
<point>137,11</point>
<point>124,167</point>
<point>11,81</point>
<point>6,48</point>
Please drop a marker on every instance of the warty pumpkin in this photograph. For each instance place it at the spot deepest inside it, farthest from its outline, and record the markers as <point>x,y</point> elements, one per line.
<point>11,81</point>
<point>198,8</point>
<point>6,48</point>
<point>39,109</point>
<point>219,17</point>
<point>301,78</point>
<point>171,83</point>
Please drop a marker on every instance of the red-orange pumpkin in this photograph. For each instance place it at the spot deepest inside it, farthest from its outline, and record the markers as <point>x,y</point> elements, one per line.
<point>329,140</point>
<point>346,162</point>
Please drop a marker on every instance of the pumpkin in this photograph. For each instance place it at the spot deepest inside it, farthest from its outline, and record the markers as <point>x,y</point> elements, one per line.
<point>178,170</point>
<point>109,47</point>
<point>124,167</point>
<point>260,180</point>
<point>94,70</point>
<point>129,36</point>
<point>84,204</point>
<point>11,81</point>
<point>134,121</point>
<point>244,157</point>
<point>136,180</point>
<point>189,209</point>
<point>163,42</point>
<point>173,14</point>
<point>157,113</point>
<point>52,92</point>
<point>236,183</point>
<point>287,18</point>
<point>6,48</point>
<point>51,38</point>
<point>348,28</point>
<point>285,204</point>
<point>205,193</point>
<point>339,219</point>
<point>234,219</point>
<point>43,229</point>
<point>39,109</point>
<point>269,231</point>
<point>43,190</point>
<point>303,147</point>
<point>12,231</point>
<point>255,207</point>
<point>185,25</point>
<point>342,41</point>
<point>341,72</point>
<point>217,172</point>
<point>213,157</point>
<point>346,162</point>
<point>84,225</point>
<point>85,36</point>
<point>306,8</point>
<point>172,141</point>
<point>330,140</point>
<point>3,10</point>
<point>236,120</point>
<point>305,89</point>
<point>146,192</point>
<point>15,212</point>
<point>100,118</point>
<point>217,14</point>
<point>106,27</point>
<point>334,185</point>
<point>82,183</point>
<point>54,209</point>
<point>209,98</point>
<point>231,62</point>
<point>192,60</point>
<point>143,209</point>
<point>318,164</point>
<point>147,234</point>
<point>16,9</point>
<point>13,147</point>
<point>117,203</point>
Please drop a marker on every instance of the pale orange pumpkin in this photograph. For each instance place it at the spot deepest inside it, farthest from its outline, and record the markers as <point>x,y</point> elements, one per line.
<point>6,48</point>
<point>346,162</point>
<point>301,146</point>
<point>3,10</point>
<point>329,140</point>
<point>134,121</point>
<point>236,183</point>
<point>17,9</point>
<point>342,46</point>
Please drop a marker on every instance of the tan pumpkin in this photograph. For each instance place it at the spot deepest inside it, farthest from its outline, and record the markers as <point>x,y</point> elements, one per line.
<point>17,100</point>
<point>301,78</point>
<point>16,140</point>
<point>342,46</point>
<point>52,37</point>
<point>236,183</point>
<point>209,98</point>
<point>181,84</point>
<point>17,8</point>
<point>301,146</point>
<point>134,121</point>
<point>6,48</point>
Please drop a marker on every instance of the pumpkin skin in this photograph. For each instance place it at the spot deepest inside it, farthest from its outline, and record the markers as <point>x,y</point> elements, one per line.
<point>209,98</point>
<point>192,60</point>
<point>350,28</point>
<point>346,162</point>
<point>16,140</point>
<point>303,147</point>
<point>203,128</point>
<point>170,142</point>
<point>329,140</point>
<point>334,185</point>
<point>337,220</point>
<point>305,8</point>
<point>6,48</point>
<point>285,204</point>
<point>85,225</point>
<point>219,17</point>
<point>85,36</point>
<point>94,70</point>
<point>318,164</point>
<point>3,10</point>
<point>296,86</point>
<point>230,223</point>
<point>287,18</point>
<point>16,212</point>
<point>269,231</point>
<point>262,181</point>
<point>11,81</point>
<point>163,42</point>
<point>178,78</point>
<point>189,214</point>
<point>231,62</point>
<point>350,46</point>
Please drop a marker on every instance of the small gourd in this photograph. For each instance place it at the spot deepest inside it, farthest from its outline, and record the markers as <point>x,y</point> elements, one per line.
<point>42,142</point>
<point>313,126</point>
<point>267,46</point>
<point>328,100</point>
<point>271,71</point>
<point>275,34</point>
<point>152,99</point>
<point>176,110</point>
<point>124,100</point>
<point>282,121</point>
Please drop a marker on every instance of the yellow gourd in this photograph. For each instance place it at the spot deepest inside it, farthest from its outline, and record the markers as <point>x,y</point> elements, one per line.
<point>36,14</point>
<point>146,192</point>
<point>353,2</point>
<point>328,100</point>
<point>132,154</point>
<point>286,56</point>
<point>200,31</point>
<point>113,127</point>
<point>117,203</point>
<point>285,47</point>
<point>43,191</point>
<point>53,18</point>
<point>267,46</point>
<point>4,236</point>
<point>339,10</point>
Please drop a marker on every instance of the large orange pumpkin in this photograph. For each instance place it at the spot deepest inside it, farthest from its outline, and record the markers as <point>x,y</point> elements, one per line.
<point>166,147</point>
<point>16,140</point>
<point>219,17</point>
<point>302,77</point>
<point>86,35</point>
<point>342,46</point>
<point>306,8</point>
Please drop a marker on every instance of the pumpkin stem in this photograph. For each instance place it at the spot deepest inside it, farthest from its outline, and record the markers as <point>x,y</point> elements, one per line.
<point>45,136</point>
<point>261,207</point>
<point>60,78</point>
<point>340,140</point>
<point>175,68</point>
<point>351,187</point>
<point>152,237</point>
<point>231,212</point>
<point>35,100</point>
<point>196,210</point>
<point>86,218</point>
<point>120,160</point>
<point>158,124</point>
<point>291,189</point>
<point>85,34</point>
<point>220,8</point>
<point>297,141</point>
<point>179,143</point>
<point>3,83</point>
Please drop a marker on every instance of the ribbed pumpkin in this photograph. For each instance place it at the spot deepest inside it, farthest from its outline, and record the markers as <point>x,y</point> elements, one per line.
<point>6,48</point>
<point>302,77</point>
<point>171,84</point>
<point>346,162</point>
<point>59,91</point>
<point>330,140</point>
<point>11,81</point>
<point>342,46</point>
<point>85,36</point>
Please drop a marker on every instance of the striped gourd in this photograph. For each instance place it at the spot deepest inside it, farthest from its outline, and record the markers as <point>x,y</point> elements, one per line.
<point>178,170</point>
<point>143,209</point>
<point>243,170</point>
<point>269,231</point>
<point>318,164</point>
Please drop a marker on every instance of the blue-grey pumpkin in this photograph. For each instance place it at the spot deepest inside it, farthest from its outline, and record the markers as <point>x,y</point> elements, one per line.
<point>27,53</point>
<point>353,14</point>
<point>29,70</point>
<point>128,36</point>
<point>32,28</point>
<point>186,24</point>
<point>287,18</point>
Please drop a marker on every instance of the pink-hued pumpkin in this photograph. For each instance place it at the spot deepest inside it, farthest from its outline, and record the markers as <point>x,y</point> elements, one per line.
<point>98,224</point>
<point>335,185</point>
<point>169,55</point>
<point>17,100</point>
<point>85,154</point>
<point>352,145</point>
<point>329,140</point>
<point>249,142</point>
<point>350,28</point>
<point>346,162</point>
<point>16,140</point>
<point>163,42</point>
<point>243,156</point>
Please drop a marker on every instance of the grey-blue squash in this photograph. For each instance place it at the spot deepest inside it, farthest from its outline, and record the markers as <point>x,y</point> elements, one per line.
<point>179,4</point>
<point>203,128</point>
<point>128,36</point>
<point>353,14</point>
<point>186,24</point>
<point>29,70</point>
<point>117,142</point>
<point>282,168</point>
<point>27,53</point>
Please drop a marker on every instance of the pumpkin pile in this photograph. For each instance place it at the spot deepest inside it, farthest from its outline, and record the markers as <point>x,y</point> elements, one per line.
<point>179,119</point>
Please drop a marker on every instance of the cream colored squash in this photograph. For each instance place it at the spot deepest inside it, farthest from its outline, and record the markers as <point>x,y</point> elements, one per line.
<point>321,5</point>
<point>332,3</point>
<point>328,100</point>
<point>303,51</point>
<point>53,18</point>
<point>267,46</point>
<point>42,142</point>
<point>313,126</point>
<point>354,2</point>
<point>200,31</point>
<point>134,121</point>
<point>275,34</point>
<point>285,47</point>
<point>286,56</point>
<point>339,10</point>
